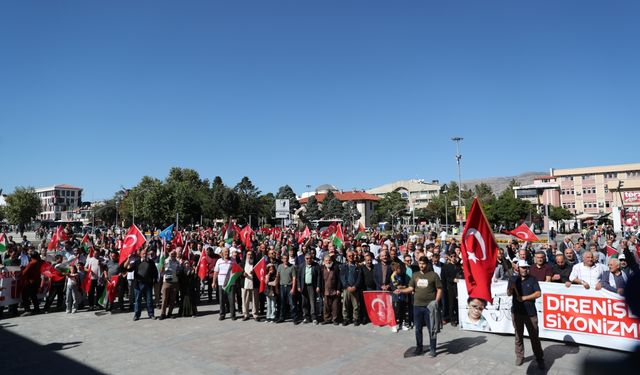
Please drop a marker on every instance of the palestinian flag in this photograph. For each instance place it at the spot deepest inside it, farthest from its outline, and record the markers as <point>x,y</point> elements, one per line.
<point>3,242</point>
<point>338,237</point>
<point>611,251</point>
<point>228,234</point>
<point>360,236</point>
<point>102,297</point>
<point>85,243</point>
<point>235,273</point>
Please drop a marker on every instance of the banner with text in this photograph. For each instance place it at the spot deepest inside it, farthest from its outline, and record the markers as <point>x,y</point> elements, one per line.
<point>574,314</point>
<point>9,291</point>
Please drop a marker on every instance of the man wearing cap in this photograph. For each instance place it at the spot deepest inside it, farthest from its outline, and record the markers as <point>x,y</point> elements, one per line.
<point>525,290</point>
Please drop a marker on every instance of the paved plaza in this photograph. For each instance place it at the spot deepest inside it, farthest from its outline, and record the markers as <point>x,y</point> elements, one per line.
<point>98,342</point>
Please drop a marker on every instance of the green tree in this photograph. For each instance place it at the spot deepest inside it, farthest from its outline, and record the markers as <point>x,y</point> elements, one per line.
<point>559,213</point>
<point>213,199</point>
<point>350,213</point>
<point>187,191</point>
<point>332,208</point>
<point>312,209</point>
<point>390,207</point>
<point>509,210</point>
<point>230,203</point>
<point>105,212</point>
<point>267,205</point>
<point>248,196</point>
<point>286,192</point>
<point>2,213</point>
<point>23,205</point>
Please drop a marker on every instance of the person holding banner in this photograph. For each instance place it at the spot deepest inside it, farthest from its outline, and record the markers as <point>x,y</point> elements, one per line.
<point>428,291</point>
<point>525,290</point>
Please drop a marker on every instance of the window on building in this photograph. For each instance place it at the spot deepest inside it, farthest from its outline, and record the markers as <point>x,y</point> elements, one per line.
<point>607,204</point>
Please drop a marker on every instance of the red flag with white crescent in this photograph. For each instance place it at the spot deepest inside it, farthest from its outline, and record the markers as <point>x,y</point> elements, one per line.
<point>524,233</point>
<point>203,266</point>
<point>380,308</point>
<point>305,235</point>
<point>260,269</point>
<point>132,242</point>
<point>86,282</point>
<point>479,252</point>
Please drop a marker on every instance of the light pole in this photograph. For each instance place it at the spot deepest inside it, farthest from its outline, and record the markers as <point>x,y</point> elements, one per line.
<point>445,191</point>
<point>458,158</point>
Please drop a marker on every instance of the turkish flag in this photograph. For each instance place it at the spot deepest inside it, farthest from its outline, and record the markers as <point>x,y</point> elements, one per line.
<point>62,235</point>
<point>277,231</point>
<point>524,233</point>
<point>86,282</point>
<point>112,288</point>
<point>53,244</point>
<point>260,270</point>
<point>479,252</point>
<point>380,308</point>
<point>177,240</point>
<point>611,251</point>
<point>203,266</point>
<point>245,235</point>
<point>306,234</point>
<point>132,242</point>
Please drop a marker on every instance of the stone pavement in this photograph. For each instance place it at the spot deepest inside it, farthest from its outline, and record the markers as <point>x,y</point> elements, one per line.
<point>97,342</point>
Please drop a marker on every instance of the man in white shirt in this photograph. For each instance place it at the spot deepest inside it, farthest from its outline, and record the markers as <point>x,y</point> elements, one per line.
<point>586,273</point>
<point>221,274</point>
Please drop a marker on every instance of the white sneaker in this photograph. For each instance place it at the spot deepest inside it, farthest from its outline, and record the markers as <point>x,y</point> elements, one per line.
<point>68,311</point>
<point>405,328</point>
<point>394,329</point>
<point>74,311</point>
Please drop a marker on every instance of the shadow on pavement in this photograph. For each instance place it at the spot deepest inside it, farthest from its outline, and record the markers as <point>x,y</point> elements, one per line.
<point>551,353</point>
<point>21,355</point>
<point>460,345</point>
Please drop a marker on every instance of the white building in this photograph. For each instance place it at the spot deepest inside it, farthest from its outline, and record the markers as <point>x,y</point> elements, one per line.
<point>59,202</point>
<point>418,193</point>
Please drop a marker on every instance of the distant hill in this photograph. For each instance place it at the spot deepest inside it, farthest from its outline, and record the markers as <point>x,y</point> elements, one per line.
<point>498,184</point>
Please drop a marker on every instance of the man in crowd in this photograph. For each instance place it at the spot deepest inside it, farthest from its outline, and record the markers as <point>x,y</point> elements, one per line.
<point>541,270</point>
<point>613,280</point>
<point>351,279</point>
<point>427,289</point>
<point>525,290</point>
<point>331,291</point>
<point>586,273</point>
<point>287,282</point>
<point>309,282</point>
<point>221,275</point>
<point>145,275</point>
<point>561,269</point>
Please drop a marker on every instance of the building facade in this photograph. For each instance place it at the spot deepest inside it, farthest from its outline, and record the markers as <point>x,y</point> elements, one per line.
<point>585,191</point>
<point>59,202</point>
<point>365,203</point>
<point>418,193</point>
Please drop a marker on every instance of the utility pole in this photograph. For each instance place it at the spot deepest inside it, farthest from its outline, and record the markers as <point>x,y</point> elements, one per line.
<point>457,140</point>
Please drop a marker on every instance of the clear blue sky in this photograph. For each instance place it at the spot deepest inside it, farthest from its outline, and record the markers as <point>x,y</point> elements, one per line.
<point>353,93</point>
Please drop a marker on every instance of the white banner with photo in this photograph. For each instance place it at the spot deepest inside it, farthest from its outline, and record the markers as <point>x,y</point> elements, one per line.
<point>9,290</point>
<point>575,314</point>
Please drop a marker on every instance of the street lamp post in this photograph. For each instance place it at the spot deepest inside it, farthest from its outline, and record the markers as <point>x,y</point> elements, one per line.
<point>458,158</point>
<point>445,191</point>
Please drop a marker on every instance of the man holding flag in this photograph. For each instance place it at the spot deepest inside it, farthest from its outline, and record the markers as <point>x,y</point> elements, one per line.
<point>225,283</point>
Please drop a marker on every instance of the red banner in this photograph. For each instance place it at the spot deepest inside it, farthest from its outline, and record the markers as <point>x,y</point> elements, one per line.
<point>380,308</point>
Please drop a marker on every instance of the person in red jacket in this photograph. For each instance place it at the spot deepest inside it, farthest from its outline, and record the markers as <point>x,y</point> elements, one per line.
<point>30,277</point>
<point>57,286</point>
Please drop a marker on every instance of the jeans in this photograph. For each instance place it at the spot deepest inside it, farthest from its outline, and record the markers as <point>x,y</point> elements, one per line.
<point>271,307</point>
<point>421,319</point>
<point>73,297</point>
<point>141,289</point>
<point>287,298</point>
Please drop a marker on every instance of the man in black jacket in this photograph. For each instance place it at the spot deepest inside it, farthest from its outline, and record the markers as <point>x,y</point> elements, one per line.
<point>145,275</point>
<point>309,285</point>
<point>351,279</point>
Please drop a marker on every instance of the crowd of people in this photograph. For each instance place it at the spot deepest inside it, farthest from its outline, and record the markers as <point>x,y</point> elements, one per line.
<point>307,279</point>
